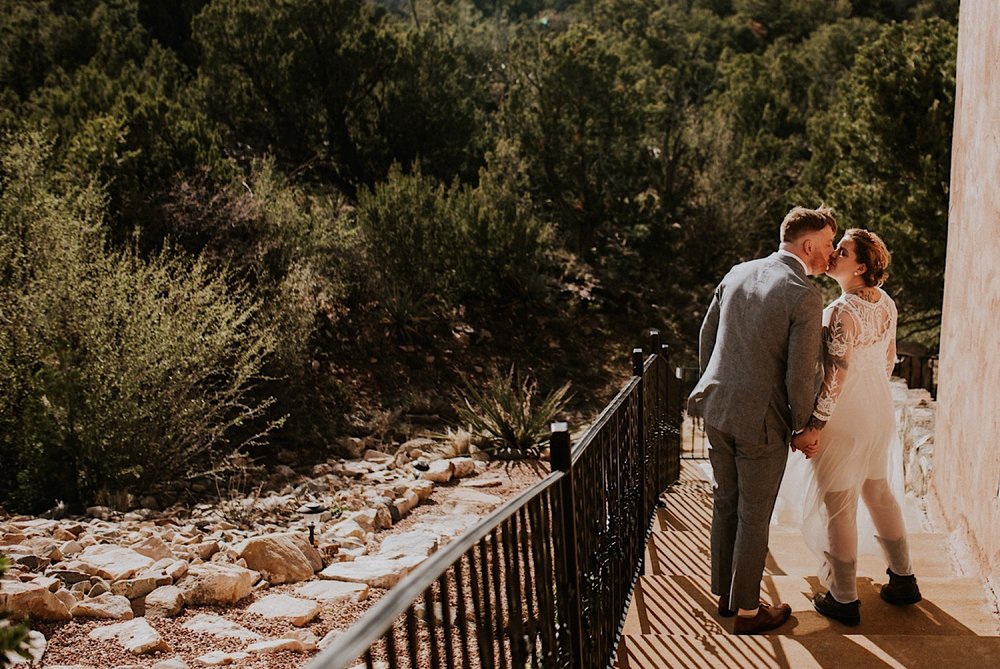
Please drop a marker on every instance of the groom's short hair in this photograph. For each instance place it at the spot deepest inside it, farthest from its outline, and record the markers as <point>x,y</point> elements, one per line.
<point>801,221</point>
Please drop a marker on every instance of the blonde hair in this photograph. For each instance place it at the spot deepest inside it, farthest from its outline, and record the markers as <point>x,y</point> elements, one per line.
<point>801,221</point>
<point>870,251</point>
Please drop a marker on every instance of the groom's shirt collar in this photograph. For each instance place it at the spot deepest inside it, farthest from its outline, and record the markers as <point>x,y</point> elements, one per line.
<point>783,252</point>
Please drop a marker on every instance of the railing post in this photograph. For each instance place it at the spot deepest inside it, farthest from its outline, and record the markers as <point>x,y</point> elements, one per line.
<point>561,458</point>
<point>654,438</point>
<point>673,410</point>
<point>640,445</point>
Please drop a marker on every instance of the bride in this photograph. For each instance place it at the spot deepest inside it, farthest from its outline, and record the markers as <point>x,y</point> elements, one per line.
<point>854,421</point>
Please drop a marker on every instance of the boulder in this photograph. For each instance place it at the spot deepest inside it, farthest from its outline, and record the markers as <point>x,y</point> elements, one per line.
<point>276,645</point>
<point>153,547</point>
<point>164,602</point>
<point>414,542</point>
<point>172,663</point>
<point>378,457</point>
<point>218,658</point>
<point>333,592</point>
<point>106,606</point>
<point>111,562</point>
<point>137,636</point>
<point>280,558</point>
<point>134,588</point>
<point>440,471</point>
<point>216,583</point>
<point>372,570</point>
<point>32,600</point>
<point>209,623</point>
<point>463,467</point>
<point>297,611</point>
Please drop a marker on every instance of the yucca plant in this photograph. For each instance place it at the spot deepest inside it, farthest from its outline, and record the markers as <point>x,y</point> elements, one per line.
<point>13,638</point>
<point>505,416</point>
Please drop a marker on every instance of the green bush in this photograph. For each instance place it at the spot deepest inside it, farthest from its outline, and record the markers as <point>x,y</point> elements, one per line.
<point>116,372</point>
<point>506,416</point>
<point>435,247</point>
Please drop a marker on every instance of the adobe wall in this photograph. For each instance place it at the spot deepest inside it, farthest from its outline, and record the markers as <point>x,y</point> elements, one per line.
<point>966,478</point>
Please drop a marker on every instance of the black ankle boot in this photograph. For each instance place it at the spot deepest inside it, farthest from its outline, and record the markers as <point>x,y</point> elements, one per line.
<point>849,613</point>
<point>900,589</point>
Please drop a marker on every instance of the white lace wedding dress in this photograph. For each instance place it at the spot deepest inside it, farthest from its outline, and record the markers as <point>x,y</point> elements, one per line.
<point>859,454</point>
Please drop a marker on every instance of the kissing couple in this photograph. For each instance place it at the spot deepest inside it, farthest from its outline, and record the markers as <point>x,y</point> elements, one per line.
<point>779,371</point>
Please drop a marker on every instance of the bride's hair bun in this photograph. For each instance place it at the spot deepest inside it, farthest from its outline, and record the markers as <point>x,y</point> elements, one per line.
<point>872,253</point>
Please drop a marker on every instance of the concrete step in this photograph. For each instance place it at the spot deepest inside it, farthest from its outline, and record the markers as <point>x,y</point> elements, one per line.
<point>851,651</point>
<point>685,510</point>
<point>789,556</point>
<point>686,605</point>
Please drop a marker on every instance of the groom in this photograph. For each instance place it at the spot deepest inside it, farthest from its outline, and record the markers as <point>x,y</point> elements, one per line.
<point>759,355</point>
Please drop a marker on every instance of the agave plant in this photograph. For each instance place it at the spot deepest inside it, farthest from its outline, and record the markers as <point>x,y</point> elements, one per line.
<point>502,412</point>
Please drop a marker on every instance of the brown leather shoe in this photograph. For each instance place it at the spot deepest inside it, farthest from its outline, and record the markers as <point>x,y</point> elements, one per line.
<point>767,618</point>
<point>724,609</point>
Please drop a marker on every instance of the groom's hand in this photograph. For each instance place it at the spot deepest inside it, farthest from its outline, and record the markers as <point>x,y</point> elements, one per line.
<point>807,442</point>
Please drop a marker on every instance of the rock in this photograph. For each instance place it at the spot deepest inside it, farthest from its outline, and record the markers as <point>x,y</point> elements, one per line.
<point>463,467</point>
<point>111,562</point>
<point>414,542</point>
<point>348,528</point>
<point>482,482</point>
<point>216,583</point>
<point>153,547</point>
<point>308,640</point>
<point>209,623</point>
<point>134,588</point>
<point>280,558</point>
<point>375,571</point>
<point>68,576</point>
<point>100,512</point>
<point>285,607</point>
<point>206,549</point>
<point>67,598</point>
<point>98,587</point>
<point>439,471</point>
<point>106,606</point>
<point>173,663</point>
<point>349,447</point>
<point>71,548</point>
<point>164,602</point>
<point>378,457</point>
<point>48,582</point>
<point>275,645</point>
<point>217,658</point>
<point>333,592</point>
<point>328,639</point>
<point>406,503</point>
<point>423,489</point>
<point>32,600</point>
<point>137,636</point>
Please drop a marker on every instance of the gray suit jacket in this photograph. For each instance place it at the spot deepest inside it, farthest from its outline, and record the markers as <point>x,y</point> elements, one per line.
<point>759,352</point>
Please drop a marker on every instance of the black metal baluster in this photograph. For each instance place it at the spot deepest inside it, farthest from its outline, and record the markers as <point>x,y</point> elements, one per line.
<point>524,541</point>
<point>498,599</point>
<point>443,592</point>
<point>480,597</point>
<point>462,616</point>
<point>411,636</point>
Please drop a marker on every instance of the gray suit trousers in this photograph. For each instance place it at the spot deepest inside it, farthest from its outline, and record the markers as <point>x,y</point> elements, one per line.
<point>747,478</point>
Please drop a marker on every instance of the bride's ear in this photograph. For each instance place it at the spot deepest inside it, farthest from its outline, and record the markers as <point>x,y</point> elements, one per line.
<point>861,270</point>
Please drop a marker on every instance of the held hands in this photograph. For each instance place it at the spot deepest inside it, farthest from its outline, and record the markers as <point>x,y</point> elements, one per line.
<point>807,442</point>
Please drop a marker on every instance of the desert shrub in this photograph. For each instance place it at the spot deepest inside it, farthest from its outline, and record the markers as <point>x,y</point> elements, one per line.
<point>505,414</point>
<point>117,372</point>
<point>435,246</point>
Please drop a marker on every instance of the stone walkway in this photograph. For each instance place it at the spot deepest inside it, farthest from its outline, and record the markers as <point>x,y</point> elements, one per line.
<point>673,620</point>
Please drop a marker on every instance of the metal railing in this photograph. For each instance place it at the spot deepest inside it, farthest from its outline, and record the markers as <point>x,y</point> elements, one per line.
<point>546,579</point>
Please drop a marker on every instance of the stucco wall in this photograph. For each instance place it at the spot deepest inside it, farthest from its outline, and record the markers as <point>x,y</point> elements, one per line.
<point>966,478</point>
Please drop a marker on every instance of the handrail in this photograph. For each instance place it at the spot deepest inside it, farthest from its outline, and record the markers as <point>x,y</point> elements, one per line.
<point>352,643</point>
<point>545,580</point>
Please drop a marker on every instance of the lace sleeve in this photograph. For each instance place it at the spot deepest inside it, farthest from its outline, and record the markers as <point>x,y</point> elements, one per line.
<point>839,339</point>
<point>890,354</point>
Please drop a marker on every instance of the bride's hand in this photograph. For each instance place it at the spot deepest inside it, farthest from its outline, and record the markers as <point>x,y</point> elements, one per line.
<point>806,442</point>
